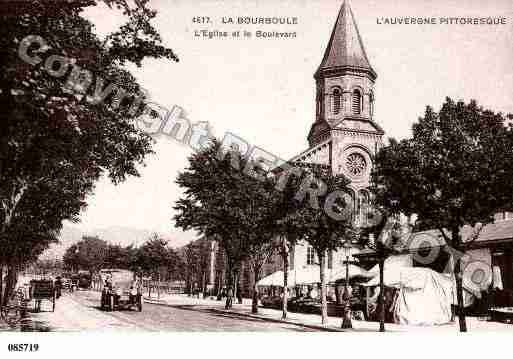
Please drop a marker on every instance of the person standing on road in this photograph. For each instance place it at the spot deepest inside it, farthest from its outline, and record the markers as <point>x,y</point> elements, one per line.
<point>229,298</point>
<point>239,295</point>
<point>58,287</point>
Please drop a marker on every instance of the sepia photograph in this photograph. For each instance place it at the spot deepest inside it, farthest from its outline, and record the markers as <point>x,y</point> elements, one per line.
<point>254,166</point>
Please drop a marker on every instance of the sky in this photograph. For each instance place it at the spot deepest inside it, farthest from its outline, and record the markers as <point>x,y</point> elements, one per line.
<point>263,89</point>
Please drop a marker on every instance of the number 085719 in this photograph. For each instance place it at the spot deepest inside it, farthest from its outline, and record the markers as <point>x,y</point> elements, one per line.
<point>23,347</point>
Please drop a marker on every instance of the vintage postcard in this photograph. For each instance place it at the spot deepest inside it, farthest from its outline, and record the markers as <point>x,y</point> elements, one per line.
<point>255,166</point>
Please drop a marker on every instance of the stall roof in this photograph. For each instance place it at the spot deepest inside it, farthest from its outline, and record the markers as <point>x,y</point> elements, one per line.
<point>491,234</point>
<point>311,275</point>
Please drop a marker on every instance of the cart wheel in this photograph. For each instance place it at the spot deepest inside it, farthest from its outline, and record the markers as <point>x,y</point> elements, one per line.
<point>111,303</point>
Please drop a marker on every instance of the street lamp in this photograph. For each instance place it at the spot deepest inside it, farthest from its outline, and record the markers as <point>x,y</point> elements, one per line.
<point>346,296</point>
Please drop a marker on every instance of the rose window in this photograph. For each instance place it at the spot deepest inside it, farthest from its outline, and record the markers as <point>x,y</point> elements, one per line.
<point>355,164</point>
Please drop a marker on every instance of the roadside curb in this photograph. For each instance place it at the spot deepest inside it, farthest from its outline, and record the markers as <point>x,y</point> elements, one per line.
<point>256,316</point>
<point>282,321</point>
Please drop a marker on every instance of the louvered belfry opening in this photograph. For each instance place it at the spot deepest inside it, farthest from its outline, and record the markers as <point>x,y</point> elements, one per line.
<point>371,104</point>
<point>337,96</point>
<point>357,102</point>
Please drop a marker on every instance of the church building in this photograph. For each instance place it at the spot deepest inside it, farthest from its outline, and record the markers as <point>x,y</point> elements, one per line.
<point>343,137</point>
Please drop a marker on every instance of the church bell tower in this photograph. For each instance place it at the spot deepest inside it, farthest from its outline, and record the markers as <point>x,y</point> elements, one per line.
<point>345,135</point>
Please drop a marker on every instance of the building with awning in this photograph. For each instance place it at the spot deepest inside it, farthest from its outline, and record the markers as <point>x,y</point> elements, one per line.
<point>343,138</point>
<point>486,256</point>
<point>310,275</point>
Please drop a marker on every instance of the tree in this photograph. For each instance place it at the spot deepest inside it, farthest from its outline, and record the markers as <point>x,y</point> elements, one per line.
<point>121,257</point>
<point>259,253</point>
<point>255,203</point>
<point>387,229</point>
<point>193,268</point>
<point>454,171</point>
<point>29,230</point>
<point>89,254</point>
<point>197,261</point>
<point>228,197</point>
<point>44,266</point>
<point>57,135</point>
<point>175,266</point>
<point>287,182</point>
<point>258,223</point>
<point>324,220</point>
<point>154,255</point>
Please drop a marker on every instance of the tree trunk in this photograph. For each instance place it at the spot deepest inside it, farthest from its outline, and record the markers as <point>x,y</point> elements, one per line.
<point>1,283</point>
<point>10,284</point>
<point>460,309</point>
<point>158,286</point>
<point>204,284</point>
<point>285,254</point>
<point>235,284</point>
<point>381,301</point>
<point>324,303</point>
<point>254,302</point>
<point>338,294</point>
<point>229,283</point>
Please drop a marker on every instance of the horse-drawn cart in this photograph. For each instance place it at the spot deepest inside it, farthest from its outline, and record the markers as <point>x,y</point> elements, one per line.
<point>42,289</point>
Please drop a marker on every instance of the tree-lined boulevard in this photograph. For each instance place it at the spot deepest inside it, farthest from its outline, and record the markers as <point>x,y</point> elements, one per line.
<point>56,139</point>
<point>232,198</point>
<point>60,135</point>
<point>80,312</point>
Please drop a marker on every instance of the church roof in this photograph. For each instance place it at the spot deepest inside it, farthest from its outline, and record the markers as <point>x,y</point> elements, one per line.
<point>490,235</point>
<point>345,49</point>
<point>347,123</point>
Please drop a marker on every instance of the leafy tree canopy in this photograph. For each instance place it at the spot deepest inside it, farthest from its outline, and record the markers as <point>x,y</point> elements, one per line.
<point>455,170</point>
<point>56,139</point>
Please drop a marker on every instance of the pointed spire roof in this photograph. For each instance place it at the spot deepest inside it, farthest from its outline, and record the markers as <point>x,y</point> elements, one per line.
<point>345,49</point>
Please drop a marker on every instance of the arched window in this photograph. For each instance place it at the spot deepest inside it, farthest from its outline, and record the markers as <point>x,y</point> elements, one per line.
<point>330,259</point>
<point>349,199</point>
<point>337,97</point>
<point>363,208</point>
<point>371,104</point>
<point>310,255</point>
<point>357,102</point>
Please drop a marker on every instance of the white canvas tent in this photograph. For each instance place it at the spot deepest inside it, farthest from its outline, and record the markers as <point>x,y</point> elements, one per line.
<point>311,275</point>
<point>275,279</point>
<point>425,296</point>
<point>354,271</point>
<point>302,276</point>
<point>306,275</point>
<point>397,261</point>
<point>393,265</point>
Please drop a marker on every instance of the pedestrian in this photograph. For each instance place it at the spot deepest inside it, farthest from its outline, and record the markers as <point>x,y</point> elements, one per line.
<point>58,287</point>
<point>239,296</point>
<point>313,293</point>
<point>229,298</point>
